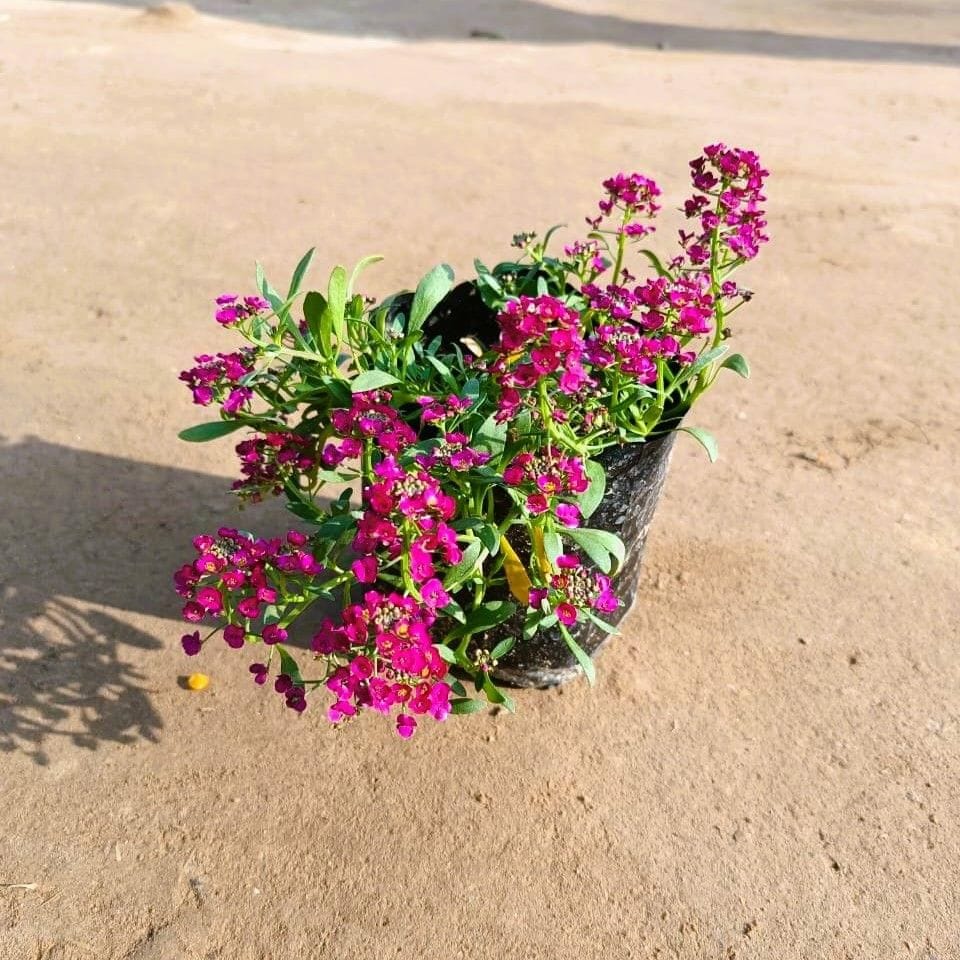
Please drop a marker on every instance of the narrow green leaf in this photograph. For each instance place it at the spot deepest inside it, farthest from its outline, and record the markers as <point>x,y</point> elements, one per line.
<point>495,695</point>
<point>602,624</point>
<point>589,500</point>
<point>491,436</point>
<point>332,324</point>
<point>267,291</point>
<point>588,668</point>
<point>289,666</point>
<point>314,305</point>
<point>462,705</point>
<point>430,291</point>
<point>484,617</point>
<point>462,571</point>
<point>600,546</point>
<point>705,439</point>
<point>299,273</point>
<point>446,653</point>
<point>443,370</point>
<point>552,546</point>
<point>372,380</point>
<point>737,362</point>
<point>490,538</point>
<point>656,263</point>
<point>704,360</point>
<point>210,431</point>
<point>359,268</point>
<point>503,648</point>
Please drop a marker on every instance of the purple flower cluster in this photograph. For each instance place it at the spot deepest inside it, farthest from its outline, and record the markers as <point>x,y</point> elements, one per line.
<point>573,589</point>
<point>370,417</point>
<point>634,195</point>
<point>545,478</point>
<point>217,378</point>
<point>232,310</point>
<point>234,578</point>
<point>734,179</point>
<point>268,462</point>
<point>540,338</point>
<point>393,660</point>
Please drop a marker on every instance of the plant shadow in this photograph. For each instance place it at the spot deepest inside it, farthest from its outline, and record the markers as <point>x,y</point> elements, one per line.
<point>89,537</point>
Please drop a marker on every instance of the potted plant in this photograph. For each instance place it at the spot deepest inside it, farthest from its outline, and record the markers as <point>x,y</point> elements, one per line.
<point>506,441</point>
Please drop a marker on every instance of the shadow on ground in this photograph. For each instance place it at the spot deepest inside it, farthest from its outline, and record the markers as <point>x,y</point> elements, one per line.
<point>531,21</point>
<point>82,532</point>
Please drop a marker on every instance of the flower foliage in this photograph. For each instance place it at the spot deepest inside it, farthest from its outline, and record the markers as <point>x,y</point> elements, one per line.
<point>459,451</point>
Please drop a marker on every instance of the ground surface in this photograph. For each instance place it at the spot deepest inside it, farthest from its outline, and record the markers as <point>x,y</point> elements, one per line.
<point>770,764</point>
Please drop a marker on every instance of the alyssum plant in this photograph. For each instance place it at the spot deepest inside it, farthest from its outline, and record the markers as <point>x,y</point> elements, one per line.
<point>475,459</point>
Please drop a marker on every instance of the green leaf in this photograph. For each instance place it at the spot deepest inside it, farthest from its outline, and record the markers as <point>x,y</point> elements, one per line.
<point>303,510</point>
<point>495,695</point>
<point>300,272</point>
<point>455,611</point>
<point>491,437</point>
<point>443,370</point>
<point>704,360</point>
<point>503,648</point>
<point>602,624</point>
<point>267,291</point>
<point>359,268</point>
<point>484,617</point>
<point>372,380</point>
<point>737,362</point>
<point>589,500</point>
<point>210,431</point>
<point>332,323</point>
<point>490,538</point>
<point>462,705</point>
<point>705,439</point>
<point>600,546</point>
<point>314,305</point>
<point>430,291</point>
<point>456,575</point>
<point>289,666</point>
<point>655,263</point>
<point>446,653</point>
<point>552,546</point>
<point>588,668</point>
<point>471,389</point>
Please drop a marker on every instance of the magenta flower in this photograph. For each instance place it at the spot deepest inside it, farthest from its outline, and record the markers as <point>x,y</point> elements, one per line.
<point>193,612</point>
<point>433,594</point>
<point>191,643</point>
<point>234,636</point>
<point>566,613</point>
<point>249,607</point>
<point>365,569</point>
<point>272,633</point>
<point>406,726</point>
<point>421,563</point>
<point>210,599</point>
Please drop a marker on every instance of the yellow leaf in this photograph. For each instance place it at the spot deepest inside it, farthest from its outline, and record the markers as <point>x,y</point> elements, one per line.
<point>198,681</point>
<point>536,535</point>
<point>516,573</point>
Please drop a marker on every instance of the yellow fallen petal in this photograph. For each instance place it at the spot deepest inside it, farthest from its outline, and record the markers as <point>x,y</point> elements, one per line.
<point>516,573</point>
<point>197,681</point>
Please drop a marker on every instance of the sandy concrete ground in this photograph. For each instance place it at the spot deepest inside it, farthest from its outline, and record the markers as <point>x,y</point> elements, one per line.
<point>770,764</point>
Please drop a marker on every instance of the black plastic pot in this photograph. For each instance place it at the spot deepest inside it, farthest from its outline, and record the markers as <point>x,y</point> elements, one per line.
<point>635,478</point>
